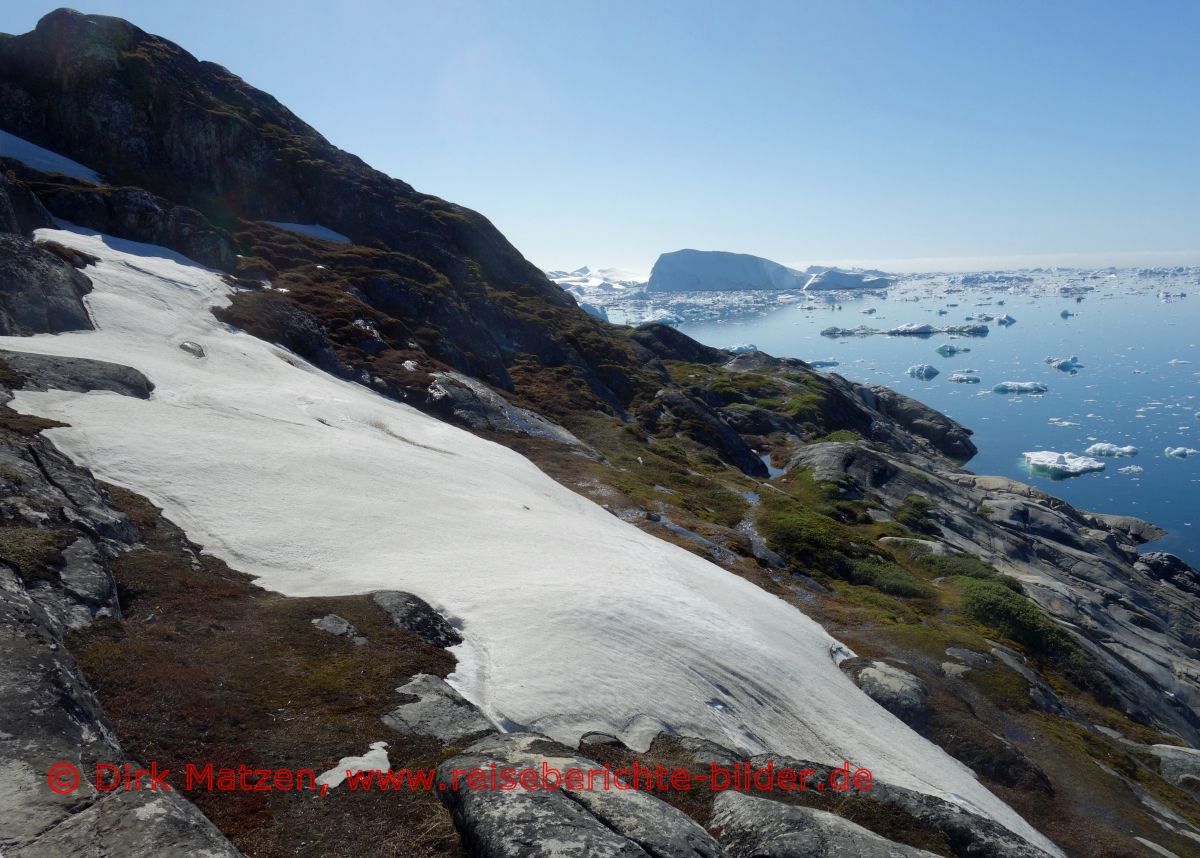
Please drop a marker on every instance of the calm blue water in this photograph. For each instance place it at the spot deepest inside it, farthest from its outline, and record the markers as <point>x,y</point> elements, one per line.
<point>1128,392</point>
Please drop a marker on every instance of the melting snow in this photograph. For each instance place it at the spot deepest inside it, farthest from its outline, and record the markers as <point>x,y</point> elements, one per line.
<point>572,619</point>
<point>312,230</point>
<point>33,155</point>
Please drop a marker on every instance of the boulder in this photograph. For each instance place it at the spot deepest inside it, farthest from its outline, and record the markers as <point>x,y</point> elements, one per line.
<point>564,822</point>
<point>414,614</point>
<point>896,690</point>
<point>40,293</point>
<point>431,707</point>
<point>753,827</point>
<point>340,627</point>
<point>49,372</point>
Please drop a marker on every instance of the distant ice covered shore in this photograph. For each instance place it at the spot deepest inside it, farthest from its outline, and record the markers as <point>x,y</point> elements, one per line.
<point>573,619</point>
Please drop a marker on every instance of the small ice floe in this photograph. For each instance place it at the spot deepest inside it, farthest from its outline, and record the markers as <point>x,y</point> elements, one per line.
<point>947,350</point>
<point>1178,362</point>
<point>742,348</point>
<point>1068,364</point>
<point>1066,314</point>
<point>1006,319</point>
<point>1034,387</point>
<point>374,760</point>
<point>965,376</point>
<point>822,364</point>
<point>1131,469</point>
<point>870,311</point>
<point>1061,423</point>
<point>1061,465</point>
<point>1111,451</point>
<point>923,371</point>
<point>1180,452</point>
<point>194,349</point>
<point>943,312</point>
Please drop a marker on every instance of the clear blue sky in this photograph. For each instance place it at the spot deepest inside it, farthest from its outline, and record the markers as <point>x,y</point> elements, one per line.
<point>607,132</point>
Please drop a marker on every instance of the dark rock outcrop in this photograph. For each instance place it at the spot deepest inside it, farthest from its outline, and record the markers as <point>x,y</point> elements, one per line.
<point>40,293</point>
<point>20,211</point>
<point>46,372</point>
<point>945,434</point>
<point>896,690</point>
<point>414,614</point>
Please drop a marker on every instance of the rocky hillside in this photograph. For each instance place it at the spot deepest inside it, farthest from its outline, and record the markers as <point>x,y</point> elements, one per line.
<point>1032,641</point>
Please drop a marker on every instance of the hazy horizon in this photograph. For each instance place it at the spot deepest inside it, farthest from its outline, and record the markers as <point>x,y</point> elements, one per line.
<point>913,134</point>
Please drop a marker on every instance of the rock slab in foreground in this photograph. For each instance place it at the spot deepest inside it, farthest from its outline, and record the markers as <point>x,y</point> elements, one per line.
<point>561,823</point>
<point>753,827</point>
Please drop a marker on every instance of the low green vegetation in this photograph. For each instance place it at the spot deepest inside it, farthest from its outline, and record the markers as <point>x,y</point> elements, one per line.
<point>914,514</point>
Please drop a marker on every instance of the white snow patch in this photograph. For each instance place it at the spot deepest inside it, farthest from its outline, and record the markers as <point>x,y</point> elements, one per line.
<point>33,155</point>
<point>374,760</point>
<point>312,230</point>
<point>318,486</point>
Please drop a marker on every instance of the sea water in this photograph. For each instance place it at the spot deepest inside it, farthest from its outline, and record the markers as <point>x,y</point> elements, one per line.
<point>1136,337</point>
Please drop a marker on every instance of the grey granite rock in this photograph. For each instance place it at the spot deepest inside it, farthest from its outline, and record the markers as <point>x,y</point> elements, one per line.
<point>40,293</point>
<point>896,690</point>
<point>564,822</point>
<point>340,627</point>
<point>432,707</point>
<point>49,372</point>
<point>754,827</point>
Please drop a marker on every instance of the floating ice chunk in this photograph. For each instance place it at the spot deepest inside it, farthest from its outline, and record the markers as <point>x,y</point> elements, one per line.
<point>742,348</point>
<point>825,364</point>
<point>1180,452</point>
<point>1058,421</point>
<point>965,376</point>
<point>1034,387</point>
<point>1069,364</point>
<point>1066,314</point>
<point>1178,362</point>
<point>913,329</point>
<point>1006,320</point>
<point>1111,451</point>
<point>923,371</point>
<point>967,330</point>
<point>870,311</point>
<point>1061,465</point>
<point>947,350</point>
<point>1131,469</point>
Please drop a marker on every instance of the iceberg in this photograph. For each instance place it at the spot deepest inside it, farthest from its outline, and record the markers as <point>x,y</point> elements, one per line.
<point>1069,364</point>
<point>1035,387</point>
<point>312,230</point>
<point>923,371</point>
<point>822,364</point>
<point>1061,465</point>
<point>1131,469</point>
<point>948,350</point>
<point>965,376</point>
<point>912,329</point>
<point>1111,451</point>
<point>742,348</point>
<point>594,310</point>
<point>1006,320</point>
<point>1180,452</point>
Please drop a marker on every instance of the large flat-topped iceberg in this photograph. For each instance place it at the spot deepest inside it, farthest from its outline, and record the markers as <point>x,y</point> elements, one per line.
<point>720,271</point>
<point>312,230</point>
<point>1060,465</point>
